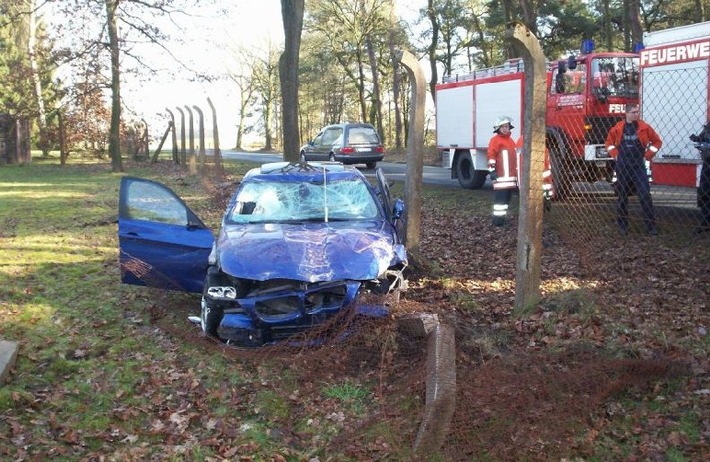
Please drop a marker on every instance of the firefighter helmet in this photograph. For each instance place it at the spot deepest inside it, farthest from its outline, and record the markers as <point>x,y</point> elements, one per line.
<point>502,120</point>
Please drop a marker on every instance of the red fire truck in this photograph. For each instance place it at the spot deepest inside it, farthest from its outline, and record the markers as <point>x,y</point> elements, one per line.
<point>586,96</point>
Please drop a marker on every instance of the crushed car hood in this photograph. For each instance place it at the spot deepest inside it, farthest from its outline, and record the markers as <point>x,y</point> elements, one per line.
<point>310,252</point>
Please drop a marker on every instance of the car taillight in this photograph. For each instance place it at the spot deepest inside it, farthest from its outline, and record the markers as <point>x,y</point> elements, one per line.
<point>380,149</point>
<point>347,150</point>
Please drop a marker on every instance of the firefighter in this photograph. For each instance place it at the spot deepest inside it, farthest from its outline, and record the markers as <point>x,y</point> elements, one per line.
<point>502,165</point>
<point>547,186</point>
<point>704,183</point>
<point>631,142</point>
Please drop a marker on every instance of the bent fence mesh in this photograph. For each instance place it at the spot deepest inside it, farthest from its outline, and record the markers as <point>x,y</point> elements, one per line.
<point>530,384</point>
<point>588,190</point>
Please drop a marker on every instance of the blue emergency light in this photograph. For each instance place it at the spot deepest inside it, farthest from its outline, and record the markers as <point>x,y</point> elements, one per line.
<point>587,46</point>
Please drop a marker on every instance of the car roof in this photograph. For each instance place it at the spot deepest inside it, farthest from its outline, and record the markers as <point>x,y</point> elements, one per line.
<point>350,125</point>
<point>290,171</point>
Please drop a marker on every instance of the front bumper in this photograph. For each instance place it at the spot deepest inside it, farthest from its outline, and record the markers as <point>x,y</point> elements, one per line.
<point>280,313</point>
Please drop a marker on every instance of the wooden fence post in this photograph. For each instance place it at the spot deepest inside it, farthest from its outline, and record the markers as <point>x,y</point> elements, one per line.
<point>527,278</point>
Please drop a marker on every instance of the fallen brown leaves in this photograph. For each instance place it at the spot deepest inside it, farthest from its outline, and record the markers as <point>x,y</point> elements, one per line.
<point>612,364</point>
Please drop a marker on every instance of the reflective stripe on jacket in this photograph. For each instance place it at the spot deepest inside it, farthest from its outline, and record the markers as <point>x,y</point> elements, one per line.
<point>647,136</point>
<point>501,152</point>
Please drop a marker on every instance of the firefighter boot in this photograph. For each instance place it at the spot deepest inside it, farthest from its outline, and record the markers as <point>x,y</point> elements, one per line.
<point>623,224</point>
<point>500,209</point>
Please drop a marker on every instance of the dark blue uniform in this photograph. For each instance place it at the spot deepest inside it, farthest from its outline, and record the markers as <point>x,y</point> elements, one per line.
<point>631,176</point>
<point>704,183</point>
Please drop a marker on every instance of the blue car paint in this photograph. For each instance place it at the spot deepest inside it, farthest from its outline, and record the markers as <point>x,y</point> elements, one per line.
<point>310,252</point>
<point>252,321</point>
<point>162,255</point>
<point>176,257</point>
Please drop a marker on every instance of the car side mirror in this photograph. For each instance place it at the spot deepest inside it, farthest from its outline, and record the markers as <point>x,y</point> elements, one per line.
<point>398,209</point>
<point>192,226</point>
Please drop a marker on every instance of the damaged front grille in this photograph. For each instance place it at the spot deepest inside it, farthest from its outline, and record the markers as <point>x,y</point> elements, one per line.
<point>270,311</point>
<point>281,301</point>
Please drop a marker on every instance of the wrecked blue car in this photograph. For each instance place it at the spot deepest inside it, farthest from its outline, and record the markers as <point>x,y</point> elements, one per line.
<point>298,244</point>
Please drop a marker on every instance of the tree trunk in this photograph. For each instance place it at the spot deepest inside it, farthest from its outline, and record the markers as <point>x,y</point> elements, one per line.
<point>396,82</point>
<point>361,85</point>
<point>627,26</point>
<point>529,15</point>
<point>635,22</point>
<point>433,45</point>
<point>245,96</point>
<point>609,39</point>
<point>37,83</point>
<point>114,139</point>
<point>292,17</point>
<point>376,99</point>
<point>700,8</point>
<point>63,154</point>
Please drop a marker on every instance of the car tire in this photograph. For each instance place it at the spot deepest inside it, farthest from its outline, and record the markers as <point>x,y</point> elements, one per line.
<point>210,317</point>
<point>303,157</point>
<point>331,157</point>
<point>371,165</point>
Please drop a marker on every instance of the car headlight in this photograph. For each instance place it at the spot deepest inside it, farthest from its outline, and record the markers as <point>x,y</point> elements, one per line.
<point>222,292</point>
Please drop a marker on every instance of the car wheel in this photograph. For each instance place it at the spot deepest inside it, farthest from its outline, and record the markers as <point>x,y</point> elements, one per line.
<point>331,157</point>
<point>210,317</point>
<point>303,157</point>
<point>371,165</point>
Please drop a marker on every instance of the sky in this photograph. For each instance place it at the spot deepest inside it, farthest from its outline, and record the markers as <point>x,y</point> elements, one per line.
<point>249,23</point>
<point>208,43</point>
<point>207,47</point>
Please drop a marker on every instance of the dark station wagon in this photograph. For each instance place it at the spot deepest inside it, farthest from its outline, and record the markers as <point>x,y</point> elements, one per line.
<point>348,143</point>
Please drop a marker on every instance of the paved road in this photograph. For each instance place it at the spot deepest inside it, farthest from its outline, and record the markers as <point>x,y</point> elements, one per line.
<point>670,196</point>
<point>394,171</point>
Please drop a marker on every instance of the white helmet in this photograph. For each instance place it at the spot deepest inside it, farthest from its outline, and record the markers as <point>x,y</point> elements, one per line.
<point>502,120</point>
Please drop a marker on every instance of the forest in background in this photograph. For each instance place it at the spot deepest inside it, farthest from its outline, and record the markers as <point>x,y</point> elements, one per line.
<point>346,70</point>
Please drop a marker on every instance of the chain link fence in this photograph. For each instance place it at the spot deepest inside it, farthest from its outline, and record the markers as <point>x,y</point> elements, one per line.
<point>588,190</point>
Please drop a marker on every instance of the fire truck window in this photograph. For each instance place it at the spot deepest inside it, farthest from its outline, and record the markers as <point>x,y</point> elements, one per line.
<point>570,82</point>
<point>559,86</point>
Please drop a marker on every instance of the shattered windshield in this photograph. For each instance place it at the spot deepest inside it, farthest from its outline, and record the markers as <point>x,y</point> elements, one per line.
<point>275,201</point>
<point>615,76</point>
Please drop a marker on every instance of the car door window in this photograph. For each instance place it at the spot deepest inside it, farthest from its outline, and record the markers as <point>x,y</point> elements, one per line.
<point>150,202</point>
<point>330,136</point>
<point>318,140</point>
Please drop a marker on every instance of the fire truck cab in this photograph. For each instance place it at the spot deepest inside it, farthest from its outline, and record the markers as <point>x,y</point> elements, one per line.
<point>586,96</point>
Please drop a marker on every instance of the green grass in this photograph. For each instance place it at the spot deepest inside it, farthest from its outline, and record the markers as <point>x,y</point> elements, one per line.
<point>352,396</point>
<point>97,377</point>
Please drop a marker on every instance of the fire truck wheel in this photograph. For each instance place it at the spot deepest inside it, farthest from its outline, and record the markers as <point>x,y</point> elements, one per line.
<point>560,179</point>
<point>467,176</point>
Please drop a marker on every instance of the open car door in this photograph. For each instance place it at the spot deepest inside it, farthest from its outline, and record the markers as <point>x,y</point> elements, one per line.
<point>162,243</point>
<point>394,208</point>
<point>383,192</point>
